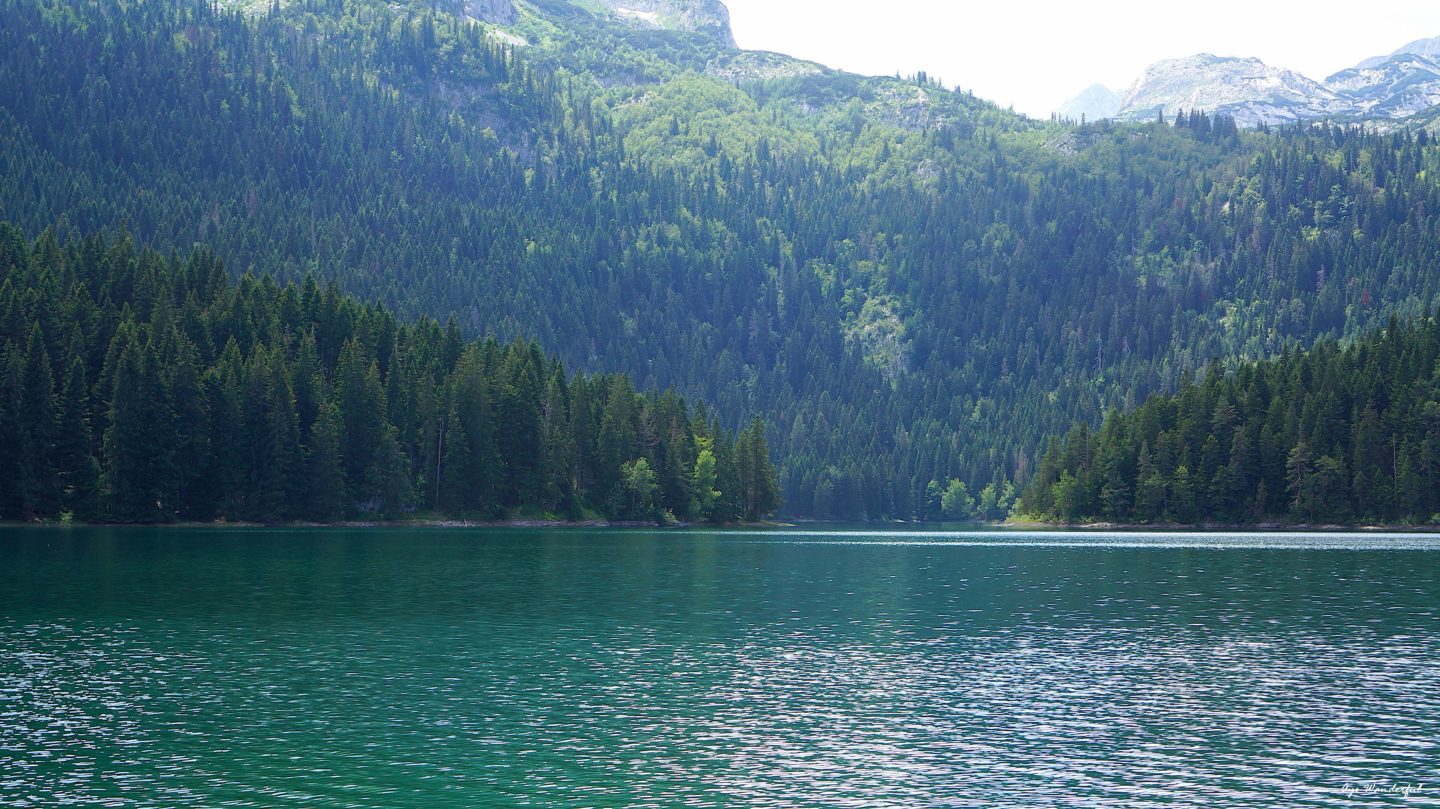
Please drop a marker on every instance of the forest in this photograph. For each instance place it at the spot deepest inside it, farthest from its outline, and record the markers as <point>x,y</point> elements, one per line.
<point>1333,435</point>
<point>912,287</point>
<point>143,388</point>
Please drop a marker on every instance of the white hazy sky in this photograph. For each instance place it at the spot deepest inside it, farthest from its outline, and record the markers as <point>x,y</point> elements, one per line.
<point>1037,55</point>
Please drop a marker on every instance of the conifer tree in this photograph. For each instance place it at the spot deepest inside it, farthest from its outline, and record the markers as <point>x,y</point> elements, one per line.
<point>11,488</point>
<point>760,497</point>
<point>191,409</point>
<point>618,439</point>
<point>139,467</point>
<point>78,469</point>
<point>326,494</point>
<point>36,418</point>
<point>518,430</point>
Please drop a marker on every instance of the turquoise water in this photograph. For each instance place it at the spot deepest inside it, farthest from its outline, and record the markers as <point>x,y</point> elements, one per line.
<point>434,667</point>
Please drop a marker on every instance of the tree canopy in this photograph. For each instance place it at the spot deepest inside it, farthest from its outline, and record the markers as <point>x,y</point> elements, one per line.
<point>1332,435</point>
<point>147,388</point>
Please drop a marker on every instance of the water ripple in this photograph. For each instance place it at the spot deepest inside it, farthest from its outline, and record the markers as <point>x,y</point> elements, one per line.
<point>651,669</point>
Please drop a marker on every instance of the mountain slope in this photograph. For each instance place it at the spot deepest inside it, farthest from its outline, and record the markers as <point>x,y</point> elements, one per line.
<point>1383,88</point>
<point>1092,104</point>
<point>1398,87</point>
<point>1421,47</point>
<point>707,17</point>
<point>1246,89</point>
<point>912,284</point>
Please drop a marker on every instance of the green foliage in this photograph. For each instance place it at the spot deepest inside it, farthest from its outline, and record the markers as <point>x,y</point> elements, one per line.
<point>261,402</point>
<point>956,502</point>
<point>138,456</point>
<point>996,500</point>
<point>1330,435</point>
<point>637,490</point>
<point>759,496</point>
<point>77,471</point>
<point>910,284</point>
<point>705,478</point>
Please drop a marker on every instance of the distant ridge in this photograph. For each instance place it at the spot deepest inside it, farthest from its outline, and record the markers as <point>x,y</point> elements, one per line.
<point>1382,88</point>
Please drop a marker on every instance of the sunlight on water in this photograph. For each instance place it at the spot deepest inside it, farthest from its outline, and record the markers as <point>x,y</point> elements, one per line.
<point>1287,540</point>
<point>631,668</point>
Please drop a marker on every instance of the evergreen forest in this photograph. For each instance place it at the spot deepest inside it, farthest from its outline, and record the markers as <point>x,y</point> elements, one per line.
<point>143,388</point>
<point>911,287</point>
<point>1333,435</point>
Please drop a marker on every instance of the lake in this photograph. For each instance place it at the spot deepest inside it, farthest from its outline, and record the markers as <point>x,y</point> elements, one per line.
<point>440,667</point>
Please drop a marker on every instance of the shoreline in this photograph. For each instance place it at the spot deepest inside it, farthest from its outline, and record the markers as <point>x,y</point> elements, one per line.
<point>798,523</point>
<point>1265,527</point>
<point>416,523</point>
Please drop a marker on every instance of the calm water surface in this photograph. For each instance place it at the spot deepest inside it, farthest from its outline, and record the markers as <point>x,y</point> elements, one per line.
<point>465,668</point>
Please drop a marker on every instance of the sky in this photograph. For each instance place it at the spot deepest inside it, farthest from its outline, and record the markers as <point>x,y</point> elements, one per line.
<point>1035,55</point>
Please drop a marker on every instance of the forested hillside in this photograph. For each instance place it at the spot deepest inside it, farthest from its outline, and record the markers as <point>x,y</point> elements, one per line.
<point>1329,435</point>
<point>911,285</point>
<point>144,388</point>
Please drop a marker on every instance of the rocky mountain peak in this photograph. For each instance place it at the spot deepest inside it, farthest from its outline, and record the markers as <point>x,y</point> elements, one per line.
<point>1093,103</point>
<point>1420,47</point>
<point>1400,85</point>
<point>708,17</point>
<point>1245,88</point>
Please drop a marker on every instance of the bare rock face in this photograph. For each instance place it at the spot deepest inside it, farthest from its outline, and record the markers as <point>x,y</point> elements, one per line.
<point>495,12</point>
<point>500,12</point>
<point>1399,86</point>
<point>708,17</point>
<point>1386,88</point>
<point>739,66</point>
<point>1420,47</point>
<point>1247,89</point>
<point>1093,103</point>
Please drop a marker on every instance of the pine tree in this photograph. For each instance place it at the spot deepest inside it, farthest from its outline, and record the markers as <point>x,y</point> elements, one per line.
<point>760,496</point>
<point>729,505</point>
<point>139,466</point>
<point>388,479</point>
<point>460,483</point>
<point>276,462</point>
<point>557,441</point>
<point>304,377</point>
<point>618,439</point>
<point>326,497</point>
<point>1299,471</point>
<point>11,488</point>
<point>40,480</point>
<point>518,432</point>
<point>224,479</point>
<point>191,409</point>
<point>472,466</point>
<point>79,470</point>
<point>362,406</point>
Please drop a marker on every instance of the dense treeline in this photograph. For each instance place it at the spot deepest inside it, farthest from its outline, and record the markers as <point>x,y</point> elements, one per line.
<point>911,286</point>
<point>141,388</point>
<point>1329,435</point>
